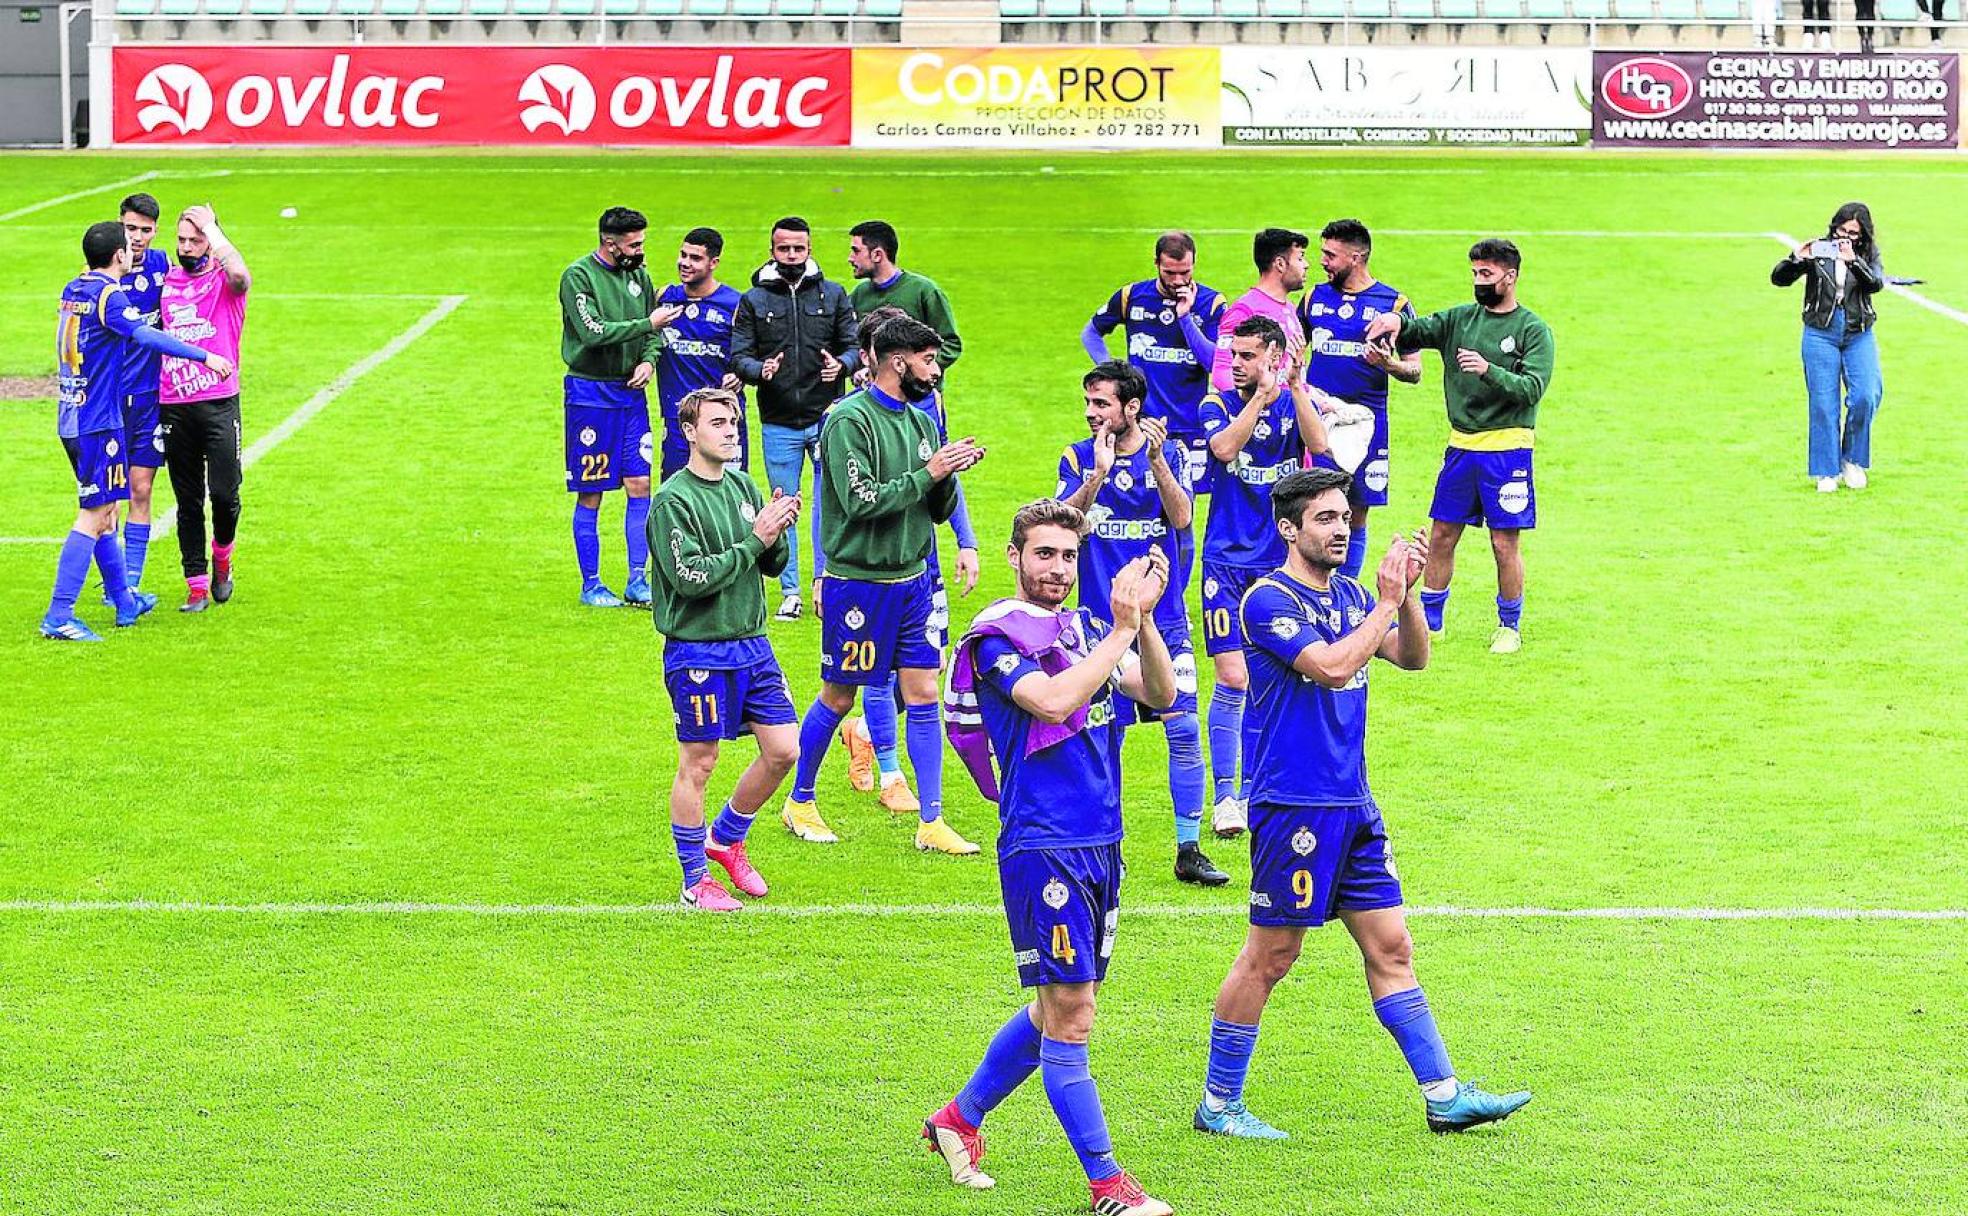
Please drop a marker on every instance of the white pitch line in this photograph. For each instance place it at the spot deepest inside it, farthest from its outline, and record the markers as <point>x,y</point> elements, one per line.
<point>1933,306</point>
<point>326,397</point>
<point>1226,911</point>
<point>44,204</point>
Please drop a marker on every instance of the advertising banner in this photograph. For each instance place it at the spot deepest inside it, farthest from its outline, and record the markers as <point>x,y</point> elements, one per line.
<point>1517,96</point>
<point>1035,97</point>
<point>1769,99</point>
<point>555,96</point>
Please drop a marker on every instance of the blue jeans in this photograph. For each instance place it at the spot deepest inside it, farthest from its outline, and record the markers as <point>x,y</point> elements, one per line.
<point>787,449</point>
<point>1834,359</point>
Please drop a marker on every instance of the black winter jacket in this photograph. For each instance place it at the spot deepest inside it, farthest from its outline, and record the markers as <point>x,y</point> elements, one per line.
<point>1864,277</point>
<point>800,319</point>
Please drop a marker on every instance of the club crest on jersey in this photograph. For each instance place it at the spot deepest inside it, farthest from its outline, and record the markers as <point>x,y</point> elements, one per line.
<point>698,675</point>
<point>1286,627</point>
<point>143,282</point>
<point>587,436</point>
<point>1264,428</point>
<point>635,289</point>
<point>690,310</point>
<point>1508,344</point>
<point>1303,842</point>
<point>1055,895</point>
<point>110,448</point>
<point>924,451</point>
<point>1124,481</point>
<point>1167,316</point>
<point>1210,586</point>
<point>1345,312</point>
<point>747,512</point>
<point>855,618</point>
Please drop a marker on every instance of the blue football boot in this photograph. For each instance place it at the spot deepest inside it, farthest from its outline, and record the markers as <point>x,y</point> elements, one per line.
<point>70,630</point>
<point>599,596</point>
<point>141,603</point>
<point>1235,1120</point>
<point>1472,1107</point>
<point>636,593</point>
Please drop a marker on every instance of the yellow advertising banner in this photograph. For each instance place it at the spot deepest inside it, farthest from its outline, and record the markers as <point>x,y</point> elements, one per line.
<point>1037,97</point>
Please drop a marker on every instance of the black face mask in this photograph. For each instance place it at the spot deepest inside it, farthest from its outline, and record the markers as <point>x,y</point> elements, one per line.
<point>194,265</point>
<point>624,260</point>
<point>1489,295</point>
<point>791,274</point>
<point>914,388</point>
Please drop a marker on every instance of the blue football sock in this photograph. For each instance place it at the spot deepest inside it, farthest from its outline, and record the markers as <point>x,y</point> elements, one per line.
<point>878,711</point>
<point>1012,1056</point>
<point>690,852</point>
<point>816,735</point>
<point>1188,780</point>
<point>136,546</point>
<point>635,530</point>
<point>1433,605</point>
<point>587,544</point>
<point>924,737</point>
<point>1226,729</point>
<point>1509,612</point>
<point>1356,554</point>
<point>109,560</point>
<point>1406,1016</point>
<point>1076,1102</point>
<point>1231,1045</point>
<point>71,571</point>
<point>730,827</point>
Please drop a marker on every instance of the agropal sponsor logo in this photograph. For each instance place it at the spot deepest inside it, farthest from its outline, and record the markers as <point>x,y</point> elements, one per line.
<point>1646,86</point>
<point>564,97</point>
<point>180,96</point>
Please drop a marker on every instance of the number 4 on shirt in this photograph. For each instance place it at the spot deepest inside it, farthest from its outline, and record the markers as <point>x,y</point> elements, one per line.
<point>1062,945</point>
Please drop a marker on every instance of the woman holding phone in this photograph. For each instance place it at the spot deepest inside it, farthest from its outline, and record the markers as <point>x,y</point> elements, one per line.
<point>1841,272</point>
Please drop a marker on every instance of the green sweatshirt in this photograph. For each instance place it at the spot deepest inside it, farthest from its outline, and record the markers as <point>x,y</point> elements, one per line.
<point>604,320</point>
<point>922,299</point>
<point>1505,398</point>
<point>878,507</point>
<point>705,561</point>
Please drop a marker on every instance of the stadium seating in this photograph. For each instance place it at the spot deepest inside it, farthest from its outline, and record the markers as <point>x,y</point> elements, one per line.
<point>1607,22</point>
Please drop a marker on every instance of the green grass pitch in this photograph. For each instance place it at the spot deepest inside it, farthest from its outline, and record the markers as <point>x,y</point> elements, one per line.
<point>1734,694</point>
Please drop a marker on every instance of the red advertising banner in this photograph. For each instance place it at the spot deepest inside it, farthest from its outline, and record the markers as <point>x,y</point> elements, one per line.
<point>1775,99</point>
<point>553,96</point>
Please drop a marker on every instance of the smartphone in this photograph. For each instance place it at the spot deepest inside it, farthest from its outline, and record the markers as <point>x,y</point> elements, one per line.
<point>1822,248</point>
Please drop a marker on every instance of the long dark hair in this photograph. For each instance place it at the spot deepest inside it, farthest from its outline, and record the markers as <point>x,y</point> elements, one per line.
<point>1864,246</point>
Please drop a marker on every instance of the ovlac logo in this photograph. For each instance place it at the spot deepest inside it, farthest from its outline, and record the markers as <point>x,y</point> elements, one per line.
<point>1646,86</point>
<point>1055,894</point>
<point>176,96</point>
<point>561,96</point>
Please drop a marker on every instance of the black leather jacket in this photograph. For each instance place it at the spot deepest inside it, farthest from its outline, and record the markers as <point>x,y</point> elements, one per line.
<point>1864,277</point>
<point>797,320</point>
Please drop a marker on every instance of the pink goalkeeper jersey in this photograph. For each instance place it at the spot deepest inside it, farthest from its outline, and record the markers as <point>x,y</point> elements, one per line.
<point>204,310</point>
<point>1253,303</point>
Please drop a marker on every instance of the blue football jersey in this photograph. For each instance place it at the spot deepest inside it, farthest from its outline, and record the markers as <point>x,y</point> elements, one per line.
<point>1176,381</point>
<point>1127,522</point>
<point>1335,335</point>
<point>1304,744</point>
<point>91,354</point>
<point>144,288</point>
<point>1066,796</point>
<point>1240,530</point>
<point>697,345</point>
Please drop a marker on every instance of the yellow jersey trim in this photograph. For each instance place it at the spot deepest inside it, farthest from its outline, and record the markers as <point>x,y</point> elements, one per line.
<point>1509,439</point>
